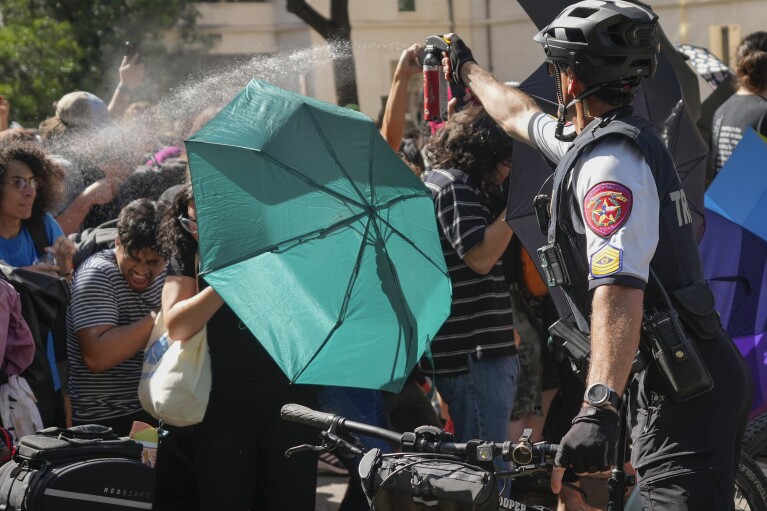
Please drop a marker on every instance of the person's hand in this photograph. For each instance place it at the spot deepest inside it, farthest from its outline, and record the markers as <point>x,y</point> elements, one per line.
<point>589,446</point>
<point>410,61</point>
<point>63,249</point>
<point>458,55</point>
<point>101,192</point>
<point>5,112</point>
<point>131,72</point>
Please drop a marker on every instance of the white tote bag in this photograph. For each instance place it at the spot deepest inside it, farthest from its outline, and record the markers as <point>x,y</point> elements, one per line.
<point>176,378</point>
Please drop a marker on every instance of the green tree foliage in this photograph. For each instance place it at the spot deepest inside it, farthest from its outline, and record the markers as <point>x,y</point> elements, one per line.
<point>51,47</point>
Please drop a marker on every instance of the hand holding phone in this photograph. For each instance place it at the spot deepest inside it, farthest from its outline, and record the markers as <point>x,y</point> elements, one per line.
<point>131,48</point>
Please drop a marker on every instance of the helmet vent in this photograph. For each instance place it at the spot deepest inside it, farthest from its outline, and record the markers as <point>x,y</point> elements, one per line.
<point>582,12</point>
<point>574,35</point>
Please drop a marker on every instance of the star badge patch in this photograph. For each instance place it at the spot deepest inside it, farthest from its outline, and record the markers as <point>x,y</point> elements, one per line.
<point>606,261</point>
<point>607,207</point>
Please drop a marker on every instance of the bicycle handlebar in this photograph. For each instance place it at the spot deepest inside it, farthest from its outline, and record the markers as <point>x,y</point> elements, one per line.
<point>522,453</point>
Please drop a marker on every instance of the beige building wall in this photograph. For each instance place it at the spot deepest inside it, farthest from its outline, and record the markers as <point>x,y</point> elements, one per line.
<point>498,31</point>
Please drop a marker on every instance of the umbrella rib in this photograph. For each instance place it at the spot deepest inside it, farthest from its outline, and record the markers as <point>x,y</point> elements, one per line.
<point>344,305</point>
<point>333,154</point>
<point>395,279</point>
<point>309,180</point>
<point>303,177</point>
<point>291,242</point>
<point>399,233</point>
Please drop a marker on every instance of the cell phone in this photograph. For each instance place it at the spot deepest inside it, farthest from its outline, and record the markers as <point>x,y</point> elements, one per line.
<point>131,48</point>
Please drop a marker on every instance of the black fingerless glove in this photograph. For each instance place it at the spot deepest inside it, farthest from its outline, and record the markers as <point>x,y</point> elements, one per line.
<point>460,54</point>
<point>589,446</point>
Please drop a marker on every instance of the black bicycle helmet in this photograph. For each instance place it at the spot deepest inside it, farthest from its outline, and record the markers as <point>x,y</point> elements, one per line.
<point>604,41</point>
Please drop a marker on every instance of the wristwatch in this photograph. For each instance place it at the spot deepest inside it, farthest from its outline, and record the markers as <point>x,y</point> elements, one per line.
<point>599,394</point>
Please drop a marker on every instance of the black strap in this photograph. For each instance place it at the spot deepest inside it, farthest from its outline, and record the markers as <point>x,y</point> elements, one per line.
<point>36,228</point>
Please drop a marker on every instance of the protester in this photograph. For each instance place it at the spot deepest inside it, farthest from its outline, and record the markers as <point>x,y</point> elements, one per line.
<point>116,294</point>
<point>615,218</point>
<point>239,448</point>
<point>745,109</point>
<point>31,187</point>
<point>473,362</point>
<point>30,238</point>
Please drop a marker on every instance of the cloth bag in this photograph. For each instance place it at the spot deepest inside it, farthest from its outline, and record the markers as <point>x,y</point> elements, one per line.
<point>176,378</point>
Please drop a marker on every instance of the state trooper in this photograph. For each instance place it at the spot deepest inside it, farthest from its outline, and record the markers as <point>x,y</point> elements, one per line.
<point>622,238</point>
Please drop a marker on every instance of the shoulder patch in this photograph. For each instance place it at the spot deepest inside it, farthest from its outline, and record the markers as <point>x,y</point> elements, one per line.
<point>606,207</point>
<point>606,261</point>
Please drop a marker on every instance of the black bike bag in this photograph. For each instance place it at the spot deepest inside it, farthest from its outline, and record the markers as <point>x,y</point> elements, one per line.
<point>85,468</point>
<point>411,482</point>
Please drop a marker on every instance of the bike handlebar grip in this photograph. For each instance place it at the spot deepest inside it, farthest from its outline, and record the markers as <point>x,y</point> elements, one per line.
<point>304,415</point>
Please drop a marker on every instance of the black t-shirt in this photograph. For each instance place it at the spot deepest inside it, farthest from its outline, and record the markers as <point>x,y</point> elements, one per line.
<point>731,120</point>
<point>238,361</point>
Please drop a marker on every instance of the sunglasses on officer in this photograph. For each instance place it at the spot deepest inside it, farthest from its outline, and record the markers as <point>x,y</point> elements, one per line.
<point>188,224</point>
<point>21,183</point>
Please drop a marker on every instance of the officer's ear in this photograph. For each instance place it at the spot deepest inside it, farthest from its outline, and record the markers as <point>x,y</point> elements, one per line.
<point>574,84</point>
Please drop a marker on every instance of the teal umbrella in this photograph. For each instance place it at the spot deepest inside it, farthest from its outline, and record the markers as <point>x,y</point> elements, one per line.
<point>318,236</point>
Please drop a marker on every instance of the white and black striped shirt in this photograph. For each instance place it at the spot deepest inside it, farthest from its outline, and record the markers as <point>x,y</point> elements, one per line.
<point>101,296</point>
<point>480,320</point>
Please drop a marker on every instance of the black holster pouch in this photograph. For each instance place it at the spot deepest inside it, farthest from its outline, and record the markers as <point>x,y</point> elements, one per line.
<point>678,360</point>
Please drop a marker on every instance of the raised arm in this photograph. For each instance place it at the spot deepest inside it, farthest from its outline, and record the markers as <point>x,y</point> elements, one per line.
<point>393,125</point>
<point>511,108</point>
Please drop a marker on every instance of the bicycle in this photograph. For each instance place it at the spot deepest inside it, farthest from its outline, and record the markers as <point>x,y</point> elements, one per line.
<point>432,472</point>
<point>435,473</point>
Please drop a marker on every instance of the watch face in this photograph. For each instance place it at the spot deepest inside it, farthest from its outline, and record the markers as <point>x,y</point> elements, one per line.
<point>597,394</point>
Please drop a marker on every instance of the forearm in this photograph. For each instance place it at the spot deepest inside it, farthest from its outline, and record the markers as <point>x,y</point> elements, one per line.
<point>393,124</point>
<point>510,107</point>
<point>116,345</point>
<point>187,317</point>
<point>119,103</point>
<point>483,256</point>
<point>73,216</point>
<point>615,324</point>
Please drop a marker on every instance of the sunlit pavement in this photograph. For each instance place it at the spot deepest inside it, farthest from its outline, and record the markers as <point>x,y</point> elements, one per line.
<point>330,491</point>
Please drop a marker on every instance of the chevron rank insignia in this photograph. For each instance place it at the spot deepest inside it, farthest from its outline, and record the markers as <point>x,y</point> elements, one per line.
<point>606,261</point>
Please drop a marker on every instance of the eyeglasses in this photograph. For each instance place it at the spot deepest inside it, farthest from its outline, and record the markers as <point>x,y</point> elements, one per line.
<point>21,183</point>
<point>188,224</point>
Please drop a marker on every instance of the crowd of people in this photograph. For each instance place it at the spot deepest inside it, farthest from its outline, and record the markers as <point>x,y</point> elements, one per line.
<point>489,364</point>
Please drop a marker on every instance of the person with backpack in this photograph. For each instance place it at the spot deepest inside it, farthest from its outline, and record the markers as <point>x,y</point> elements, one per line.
<point>115,296</point>
<point>33,247</point>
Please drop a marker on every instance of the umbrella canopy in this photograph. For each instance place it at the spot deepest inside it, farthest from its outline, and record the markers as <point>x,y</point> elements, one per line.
<point>739,192</point>
<point>318,236</point>
<point>735,267</point>
<point>706,64</point>
<point>734,253</point>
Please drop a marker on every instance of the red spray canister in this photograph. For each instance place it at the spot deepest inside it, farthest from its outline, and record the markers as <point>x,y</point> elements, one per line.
<point>432,86</point>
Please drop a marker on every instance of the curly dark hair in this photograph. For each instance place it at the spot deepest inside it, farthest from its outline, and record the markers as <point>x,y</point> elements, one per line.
<point>51,175</point>
<point>174,240</point>
<point>137,226</point>
<point>751,62</point>
<point>472,142</point>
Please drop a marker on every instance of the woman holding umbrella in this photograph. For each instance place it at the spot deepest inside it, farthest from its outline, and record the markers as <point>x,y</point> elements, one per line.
<point>239,446</point>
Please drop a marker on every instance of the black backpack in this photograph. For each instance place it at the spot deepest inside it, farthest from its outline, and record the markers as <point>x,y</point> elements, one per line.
<point>93,240</point>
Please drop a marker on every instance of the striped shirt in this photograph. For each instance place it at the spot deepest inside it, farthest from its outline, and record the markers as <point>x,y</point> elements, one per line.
<point>480,321</point>
<point>101,296</point>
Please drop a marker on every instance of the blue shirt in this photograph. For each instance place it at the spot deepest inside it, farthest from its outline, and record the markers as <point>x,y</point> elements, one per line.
<point>20,251</point>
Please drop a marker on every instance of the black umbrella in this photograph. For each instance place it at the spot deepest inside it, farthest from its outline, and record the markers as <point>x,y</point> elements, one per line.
<point>660,100</point>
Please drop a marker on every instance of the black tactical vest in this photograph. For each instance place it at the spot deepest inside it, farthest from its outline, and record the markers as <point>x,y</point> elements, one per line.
<point>676,261</point>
